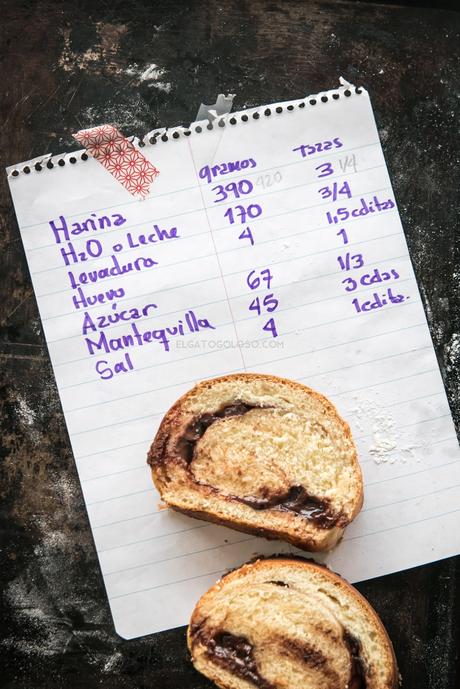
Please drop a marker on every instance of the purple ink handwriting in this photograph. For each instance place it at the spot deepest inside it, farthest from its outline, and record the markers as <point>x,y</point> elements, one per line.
<point>114,269</point>
<point>63,231</point>
<point>190,323</point>
<point>209,173</point>
<point>320,147</point>
<point>371,278</point>
<point>93,248</point>
<point>341,215</point>
<point>232,189</point>
<point>343,165</point>
<point>107,371</point>
<point>262,304</point>
<point>95,326</point>
<point>334,190</point>
<point>134,240</point>
<point>83,301</point>
<point>378,301</point>
<point>94,323</point>
<point>348,261</point>
<point>240,214</point>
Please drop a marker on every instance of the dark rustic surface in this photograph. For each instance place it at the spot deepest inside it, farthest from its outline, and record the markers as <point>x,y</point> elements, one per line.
<point>67,66</point>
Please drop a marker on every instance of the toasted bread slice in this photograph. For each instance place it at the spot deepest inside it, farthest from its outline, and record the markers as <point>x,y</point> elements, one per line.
<point>287,623</point>
<point>260,454</point>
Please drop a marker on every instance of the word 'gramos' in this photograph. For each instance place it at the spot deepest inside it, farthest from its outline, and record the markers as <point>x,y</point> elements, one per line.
<point>210,172</point>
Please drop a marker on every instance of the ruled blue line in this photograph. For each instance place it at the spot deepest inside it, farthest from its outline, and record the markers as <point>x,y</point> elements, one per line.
<point>154,538</point>
<point>194,528</point>
<point>402,526</point>
<point>293,356</point>
<point>339,394</point>
<point>279,287</point>
<point>353,538</point>
<point>158,268</point>
<point>414,473</point>
<point>171,583</point>
<point>126,228</point>
<point>420,422</point>
<point>408,499</point>
<point>301,161</point>
<point>342,296</point>
<point>177,557</point>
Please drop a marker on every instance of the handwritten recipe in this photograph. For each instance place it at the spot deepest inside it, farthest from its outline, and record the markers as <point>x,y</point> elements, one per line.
<point>270,242</point>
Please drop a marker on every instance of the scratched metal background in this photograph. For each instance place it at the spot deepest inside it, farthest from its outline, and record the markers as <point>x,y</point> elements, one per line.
<point>141,64</point>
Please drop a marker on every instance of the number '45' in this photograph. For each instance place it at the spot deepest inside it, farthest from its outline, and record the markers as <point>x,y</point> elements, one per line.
<point>269,303</point>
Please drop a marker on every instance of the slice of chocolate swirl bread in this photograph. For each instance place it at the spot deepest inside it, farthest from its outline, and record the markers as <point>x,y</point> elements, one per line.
<point>289,624</point>
<point>259,454</point>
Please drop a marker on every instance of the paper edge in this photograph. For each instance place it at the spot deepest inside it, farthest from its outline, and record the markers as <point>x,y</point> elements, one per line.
<point>157,133</point>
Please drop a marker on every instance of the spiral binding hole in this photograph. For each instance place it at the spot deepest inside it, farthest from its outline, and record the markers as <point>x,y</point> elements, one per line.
<point>267,112</point>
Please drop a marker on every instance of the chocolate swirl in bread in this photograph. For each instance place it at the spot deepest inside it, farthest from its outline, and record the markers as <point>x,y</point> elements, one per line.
<point>261,454</point>
<point>295,498</point>
<point>313,631</point>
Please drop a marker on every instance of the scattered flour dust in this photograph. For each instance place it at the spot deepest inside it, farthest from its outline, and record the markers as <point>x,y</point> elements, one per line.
<point>453,353</point>
<point>25,412</point>
<point>27,417</point>
<point>152,74</point>
<point>112,662</point>
<point>386,444</point>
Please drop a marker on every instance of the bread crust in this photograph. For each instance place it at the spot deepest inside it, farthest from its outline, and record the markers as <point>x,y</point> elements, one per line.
<point>323,539</point>
<point>330,539</point>
<point>306,566</point>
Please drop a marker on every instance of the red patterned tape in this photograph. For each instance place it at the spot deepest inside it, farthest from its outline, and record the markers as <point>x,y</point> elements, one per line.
<point>119,157</point>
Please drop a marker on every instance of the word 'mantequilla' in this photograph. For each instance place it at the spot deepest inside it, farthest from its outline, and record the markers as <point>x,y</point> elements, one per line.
<point>189,324</point>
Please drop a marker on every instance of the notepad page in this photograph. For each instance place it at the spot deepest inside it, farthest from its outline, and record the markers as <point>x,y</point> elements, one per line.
<point>291,261</point>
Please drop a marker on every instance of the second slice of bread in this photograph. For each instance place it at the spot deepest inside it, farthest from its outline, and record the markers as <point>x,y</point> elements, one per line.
<point>289,624</point>
<point>260,454</point>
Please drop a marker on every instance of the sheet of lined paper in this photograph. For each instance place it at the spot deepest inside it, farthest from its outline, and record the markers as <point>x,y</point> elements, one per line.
<point>272,244</point>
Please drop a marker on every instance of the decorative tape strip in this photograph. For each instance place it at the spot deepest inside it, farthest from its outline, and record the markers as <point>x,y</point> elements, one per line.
<point>119,157</point>
<point>158,136</point>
